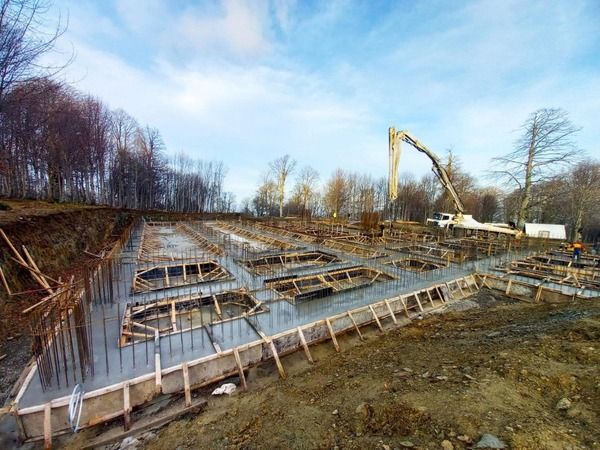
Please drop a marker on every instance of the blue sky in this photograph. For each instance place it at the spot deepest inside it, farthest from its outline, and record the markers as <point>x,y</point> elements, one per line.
<point>247,81</point>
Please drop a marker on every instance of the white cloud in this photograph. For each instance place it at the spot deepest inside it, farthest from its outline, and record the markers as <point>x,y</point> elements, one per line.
<point>143,16</point>
<point>238,30</point>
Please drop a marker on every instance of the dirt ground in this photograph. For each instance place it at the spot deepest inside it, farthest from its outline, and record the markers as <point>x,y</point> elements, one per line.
<point>502,367</point>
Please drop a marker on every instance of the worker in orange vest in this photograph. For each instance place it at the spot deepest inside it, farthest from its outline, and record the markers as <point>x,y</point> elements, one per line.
<point>577,250</point>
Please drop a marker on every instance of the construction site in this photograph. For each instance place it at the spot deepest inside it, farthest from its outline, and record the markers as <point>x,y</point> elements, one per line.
<point>174,307</point>
<point>166,309</point>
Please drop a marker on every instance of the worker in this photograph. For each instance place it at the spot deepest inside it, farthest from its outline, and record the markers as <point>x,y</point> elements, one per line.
<point>577,249</point>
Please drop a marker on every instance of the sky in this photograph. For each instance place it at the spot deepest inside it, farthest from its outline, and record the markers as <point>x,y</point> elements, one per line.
<point>245,82</point>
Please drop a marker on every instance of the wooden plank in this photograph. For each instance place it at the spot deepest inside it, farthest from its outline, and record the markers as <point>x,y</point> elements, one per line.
<point>459,288</point>
<point>304,345</point>
<point>468,285</point>
<point>405,306</point>
<point>157,374</point>
<point>195,409</point>
<point>238,362</point>
<point>277,360</point>
<point>47,426</point>
<point>440,293</point>
<point>332,334</point>
<point>126,407</point>
<point>217,307</point>
<point>376,318</point>
<point>418,301</point>
<point>5,283</point>
<point>355,326</point>
<point>173,317</point>
<point>508,286</point>
<point>429,296</point>
<point>538,294</point>
<point>167,281</point>
<point>186,384</point>
<point>389,307</point>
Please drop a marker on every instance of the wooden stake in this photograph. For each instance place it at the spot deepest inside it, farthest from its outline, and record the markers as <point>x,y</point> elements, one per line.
<point>173,317</point>
<point>47,426</point>
<point>238,362</point>
<point>186,384</point>
<point>376,318</point>
<point>277,361</point>
<point>5,283</point>
<point>35,266</point>
<point>332,334</point>
<point>459,288</point>
<point>217,307</point>
<point>355,326</point>
<point>157,366</point>
<point>418,301</point>
<point>430,298</point>
<point>508,285</point>
<point>405,307</point>
<point>389,307</point>
<point>305,345</point>
<point>538,294</point>
<point>126,407</point>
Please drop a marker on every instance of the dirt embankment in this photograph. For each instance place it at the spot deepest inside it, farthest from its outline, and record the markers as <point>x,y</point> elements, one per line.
<point>62,239</point>
<point>503,368</point>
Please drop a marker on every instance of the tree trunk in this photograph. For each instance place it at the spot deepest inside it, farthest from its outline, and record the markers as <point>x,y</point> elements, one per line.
<point>526,198</point>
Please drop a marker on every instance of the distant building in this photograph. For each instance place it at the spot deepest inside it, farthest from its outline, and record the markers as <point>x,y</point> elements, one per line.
<point>546,230</point>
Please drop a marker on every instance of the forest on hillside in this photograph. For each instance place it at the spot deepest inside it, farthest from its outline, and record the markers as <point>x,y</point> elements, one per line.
<point>61,145</point>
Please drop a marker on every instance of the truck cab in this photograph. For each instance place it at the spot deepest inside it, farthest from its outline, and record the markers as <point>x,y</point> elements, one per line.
<point>441,220</point>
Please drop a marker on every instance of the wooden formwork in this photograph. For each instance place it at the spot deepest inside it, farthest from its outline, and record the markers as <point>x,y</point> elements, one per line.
<point>530,291</point>
<point>286,233</point>
<point>150,245</point>
<point>200,240</point>
<point>560,274</point>
<point>401,237</point>
<point>167,276</point>
<point>152,251</point>
<point>258,237</point>
<point>417,264</point>
<point>50,419</point>
<point>432,251</point>
<point>354,249</point>
<point>274,263</point>
<point>307,232</point>
<point>361,239</point>
<point>481,245</point>
<point>322,284</point>
<point>141,322</point>
<point>562,258</point>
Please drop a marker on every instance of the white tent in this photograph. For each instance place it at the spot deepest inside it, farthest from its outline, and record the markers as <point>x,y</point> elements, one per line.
<point>546,230</point>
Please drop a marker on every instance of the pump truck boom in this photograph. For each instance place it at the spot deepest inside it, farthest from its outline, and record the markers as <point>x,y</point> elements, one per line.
<point>459,219</point>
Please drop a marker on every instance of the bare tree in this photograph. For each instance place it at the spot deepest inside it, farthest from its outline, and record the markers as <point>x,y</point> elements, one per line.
<point>24,39</point>
<point>336,193</point>
<point>282,168</point>
<point>544,147</point>
<point>265,199</point>
<point>306,187</point>
<point>583,194</point>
